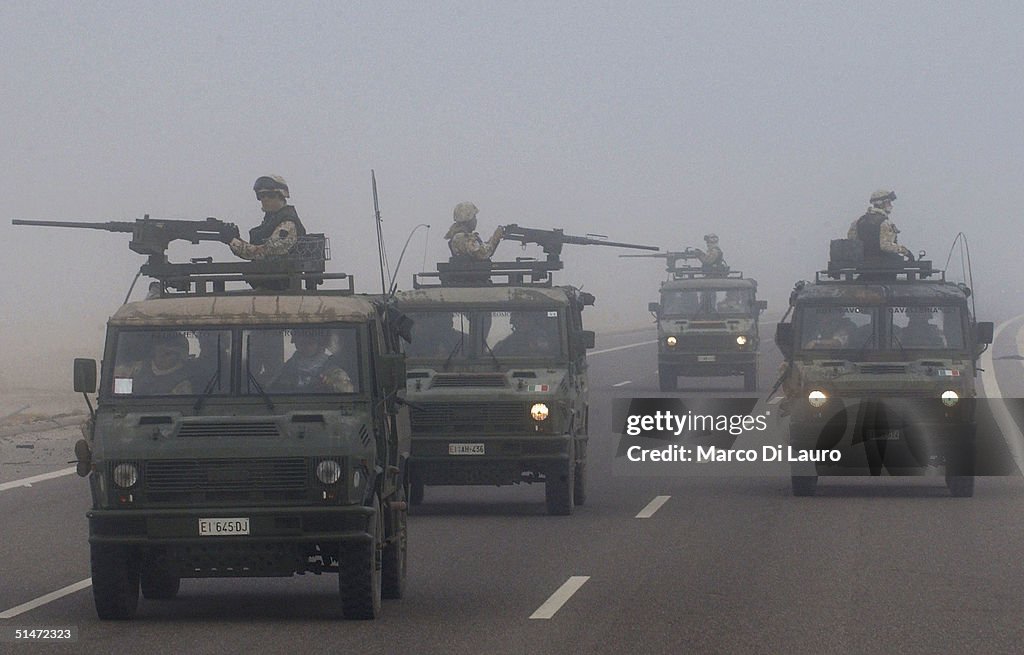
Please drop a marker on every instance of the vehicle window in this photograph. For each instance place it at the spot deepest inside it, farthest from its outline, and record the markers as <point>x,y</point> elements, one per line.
<point>172,362</point>
<point>439,334</point>
<point>922,328</point>
<point>732,301</point>
<point>838,328</point>
<point>300,360</point>
<point>680,303</point>
<point>525,333</point>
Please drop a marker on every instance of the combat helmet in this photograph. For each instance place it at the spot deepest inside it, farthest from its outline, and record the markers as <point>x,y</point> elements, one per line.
<point>270,183</point>
<point>464,212</point>
<point>882,196</point>
<point>711,238</point>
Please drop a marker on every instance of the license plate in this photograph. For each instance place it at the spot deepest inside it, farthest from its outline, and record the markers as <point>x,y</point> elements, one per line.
<point>465,449</point>
<point>705,358</point>
<point>223,527</point>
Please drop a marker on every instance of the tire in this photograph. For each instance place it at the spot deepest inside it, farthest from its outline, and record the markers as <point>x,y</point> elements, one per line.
<point>667,379</point>
<point>395,556</point>
<point>359,572</point>
<point>750,378</point>
<point>579,490</point>
<point>156,582</point>
<point>560,485</point>
<point>115,581</point>
<point>960,486</point>
<point>804,485</point>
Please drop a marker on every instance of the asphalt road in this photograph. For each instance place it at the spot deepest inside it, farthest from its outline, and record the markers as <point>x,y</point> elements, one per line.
<point>723,564</point>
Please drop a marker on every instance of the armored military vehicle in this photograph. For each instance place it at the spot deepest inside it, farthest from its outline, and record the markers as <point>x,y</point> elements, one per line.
<point>246,433</point>
<point>497,374</point>
<point>881,363</point>
<point>707,323</point>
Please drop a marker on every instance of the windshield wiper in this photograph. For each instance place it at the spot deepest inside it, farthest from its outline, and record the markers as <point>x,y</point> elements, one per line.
<point>457,348</point>
<point>497,364</point>
<point>214,381</point>
<point>252,378</point>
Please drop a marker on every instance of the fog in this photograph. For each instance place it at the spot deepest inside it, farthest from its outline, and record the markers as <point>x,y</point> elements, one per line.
<point>652,123</point>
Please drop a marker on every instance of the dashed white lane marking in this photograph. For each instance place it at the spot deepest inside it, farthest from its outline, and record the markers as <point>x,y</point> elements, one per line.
<point>559,598</point>
<point>622,384</point>
<point>652,507</point>
<point>1011,433</point>
<point>48,598</point>
<point>28,482</point>
<point>628,345</point>
<point>775,400</point>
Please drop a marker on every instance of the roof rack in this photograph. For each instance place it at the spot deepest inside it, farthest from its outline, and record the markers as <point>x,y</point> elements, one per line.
<point>520,273</point>
<point>698,272</point>
<point>915,271</point>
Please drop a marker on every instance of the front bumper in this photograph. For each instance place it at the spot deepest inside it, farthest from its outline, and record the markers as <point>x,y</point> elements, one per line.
<point>707,363</point>
<point>505,459</point>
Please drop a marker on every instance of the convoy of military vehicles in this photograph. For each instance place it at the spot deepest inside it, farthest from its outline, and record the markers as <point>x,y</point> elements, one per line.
<point>263,419</point>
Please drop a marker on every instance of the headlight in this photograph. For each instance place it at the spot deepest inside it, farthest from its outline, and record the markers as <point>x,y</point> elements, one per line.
<point>950,398</point>
<point>328,471</point>
<point>817,398</point>
<point>741,340</point>
<point>539,412</point>
<point>671,342</point>
<point>126,475</point>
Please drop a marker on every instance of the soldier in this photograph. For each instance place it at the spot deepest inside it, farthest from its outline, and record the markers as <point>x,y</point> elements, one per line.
<point>281,227</point>
<point>532,334</point>
<point>163,372</point>
<point>920,332</point>
<point>465,244</point>
<point>712,260</point>
<point>310,369</point>
<point>877,232</point>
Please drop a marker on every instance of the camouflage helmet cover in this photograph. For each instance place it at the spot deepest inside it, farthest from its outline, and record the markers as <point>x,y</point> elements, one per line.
<point>711,238</point>
<point>882,196</point>
<point>271,183</point>
<point>464,212</point>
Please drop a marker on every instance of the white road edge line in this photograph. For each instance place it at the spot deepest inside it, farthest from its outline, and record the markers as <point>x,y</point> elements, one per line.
<point>42,600</point>
<point>775,400</point>
<point>1011,433</point>
<point>28,482</point>
<point>628,345</point>
<point>652,507</point>
<point>559,598</point>
<point>622,384</point>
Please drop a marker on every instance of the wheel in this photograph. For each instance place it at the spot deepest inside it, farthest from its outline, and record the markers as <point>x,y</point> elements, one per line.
<point>667,378</point>
<point>960,486</point>
<point>804,485</point>
<point>157,583</point>
<point>395,556</point>
<point>579,491</point>
<point>750,378</point>
<point>560,485</point>
<point>416,490</point>
<point>115,581</point>
<point>359,572</point>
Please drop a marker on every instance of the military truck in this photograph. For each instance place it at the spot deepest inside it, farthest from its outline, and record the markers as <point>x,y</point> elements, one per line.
<point>881,362</point>
<point>497,374</point>
<point>246,432</point>
<point>707,323</point>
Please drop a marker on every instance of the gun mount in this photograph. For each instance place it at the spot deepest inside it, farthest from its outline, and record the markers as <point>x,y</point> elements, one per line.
<point>524,271</point>
<point>302,268</point>
<point>677,271</point>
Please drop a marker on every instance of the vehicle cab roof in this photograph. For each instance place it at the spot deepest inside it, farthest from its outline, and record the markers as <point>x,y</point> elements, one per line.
<point>483,296</point>
<point>246,310</point>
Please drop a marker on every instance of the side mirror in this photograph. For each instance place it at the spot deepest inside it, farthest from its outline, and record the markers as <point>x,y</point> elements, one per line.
<point>983,332</point>
<point>85,375</point>
<point>587,339</point>
<point>654,308</point>
<point>392,372</point>
<point>762,305</point>
<point>784,338</point>
<point>586,299</point>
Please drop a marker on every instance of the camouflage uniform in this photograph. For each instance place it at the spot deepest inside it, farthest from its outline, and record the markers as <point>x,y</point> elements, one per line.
<point>877,218</point>
<point>281,227</point>
<point>712,259</point>
<point>463,242</point>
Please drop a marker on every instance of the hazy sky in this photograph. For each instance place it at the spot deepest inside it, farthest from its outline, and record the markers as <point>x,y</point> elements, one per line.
<point>656,123</point>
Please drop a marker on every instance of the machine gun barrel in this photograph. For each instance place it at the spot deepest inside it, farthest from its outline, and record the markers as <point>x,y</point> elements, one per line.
<point>551,241</point>
<point>110,226</point>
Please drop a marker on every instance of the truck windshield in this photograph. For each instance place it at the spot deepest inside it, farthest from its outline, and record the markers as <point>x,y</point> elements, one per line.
<point>300,360</point>
<point>926,327</point>
<point>472,334</point>
<point>838,328</point>
<point>172,362</point>
<point>707,302</point>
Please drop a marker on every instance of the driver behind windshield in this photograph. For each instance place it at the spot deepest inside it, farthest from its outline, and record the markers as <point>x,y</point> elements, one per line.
<point>163,369</point>
<point>532,334</point>
<point>311,368</point>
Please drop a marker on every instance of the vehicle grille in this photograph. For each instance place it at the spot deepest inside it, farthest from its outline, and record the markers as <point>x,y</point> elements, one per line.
<point>705,342</point>
<point>456,418</point>
<point>226,479</point>
<point>487,380</point>
<point>237,429</point>
<point>883,369</point>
